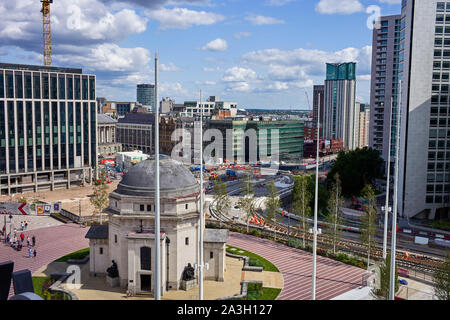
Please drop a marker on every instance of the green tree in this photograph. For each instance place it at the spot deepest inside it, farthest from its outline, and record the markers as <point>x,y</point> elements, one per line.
<point>368,226</point>
<point>221,197</point>
<point>247,202</point>
<point>356,169</point>
<point>441,280</point>
<point>100,199</point>
<point>302,201</point>
<point>273,205</point>
<point>323,193</point>
<point>385,278</point>
<point>334,218</point>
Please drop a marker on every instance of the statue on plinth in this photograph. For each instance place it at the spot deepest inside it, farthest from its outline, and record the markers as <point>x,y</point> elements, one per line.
<point>113,271</point>
<point>188,273</point>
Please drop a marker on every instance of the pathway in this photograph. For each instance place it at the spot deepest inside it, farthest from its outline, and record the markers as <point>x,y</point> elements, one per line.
<point>333,278</point>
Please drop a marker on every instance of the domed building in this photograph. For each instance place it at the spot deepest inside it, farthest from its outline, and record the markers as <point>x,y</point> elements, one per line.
<point>129,239</point>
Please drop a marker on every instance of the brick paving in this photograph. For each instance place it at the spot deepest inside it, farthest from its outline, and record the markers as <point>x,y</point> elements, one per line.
<point>51,244</point>
<point>333,277</point>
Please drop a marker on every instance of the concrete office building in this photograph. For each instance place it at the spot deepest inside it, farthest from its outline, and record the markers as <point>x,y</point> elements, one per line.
<point>106,133</point>
<point>384,86</point>
<point>364,124</point>
<point>48,128</point>
<point>194,108</point>
<point>424,181</point>
<point>135,132</point>
<point>145,94</point>
<point>340,105</point>
<point>318,97</point>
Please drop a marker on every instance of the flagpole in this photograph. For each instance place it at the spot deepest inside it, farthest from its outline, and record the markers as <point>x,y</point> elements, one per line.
<point>316,202</point>
<point>157,285</point>
<point>394,215</point>
<point>200,264</point>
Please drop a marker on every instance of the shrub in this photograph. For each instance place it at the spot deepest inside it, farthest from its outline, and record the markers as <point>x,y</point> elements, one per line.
<point>255,233</point>
<point>294,243</point>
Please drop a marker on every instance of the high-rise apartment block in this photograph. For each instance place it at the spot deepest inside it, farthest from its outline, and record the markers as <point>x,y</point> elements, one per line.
<point>384,86</point>
<point>424,181</point>
<point>340,104</point>
<point>146,96</point>
<point>48,128</point>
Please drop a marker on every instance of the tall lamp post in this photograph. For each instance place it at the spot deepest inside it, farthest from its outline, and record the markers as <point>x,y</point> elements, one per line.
<point>394,216</point>
<point>200,264</point>
<point>386,208</point>
<point>157,285</point>
<point>316,203</point>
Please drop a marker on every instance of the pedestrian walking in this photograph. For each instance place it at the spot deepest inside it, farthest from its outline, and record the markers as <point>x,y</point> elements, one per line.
<point>22,225</point>
<point>33,240</point>
<point>22,236</point>
<point>28,242</point>
<point>34,253</point>
<point>26,225</point>
<point>30,253</point>
<point>15,232</point>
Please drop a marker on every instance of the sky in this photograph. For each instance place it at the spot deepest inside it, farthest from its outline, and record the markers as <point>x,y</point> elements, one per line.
<point>264,54</point>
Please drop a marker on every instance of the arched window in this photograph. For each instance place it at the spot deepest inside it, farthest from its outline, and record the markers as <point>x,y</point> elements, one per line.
<point>146,258</point>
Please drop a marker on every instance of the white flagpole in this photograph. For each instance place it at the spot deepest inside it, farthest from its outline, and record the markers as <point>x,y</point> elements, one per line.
<point>316,203</point>
<point>200,264</point>
<point>157,285</point>
<point>394,215</point>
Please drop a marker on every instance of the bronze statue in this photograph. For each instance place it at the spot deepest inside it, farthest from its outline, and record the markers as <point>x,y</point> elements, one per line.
<point>188,273</point>
<point>113,271</point>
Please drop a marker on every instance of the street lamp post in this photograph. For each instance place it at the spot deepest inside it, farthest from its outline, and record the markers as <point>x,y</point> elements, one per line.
<point>316,203</point>
<point>157,285</point>
<point>386,207</point>
<point>200,265</point>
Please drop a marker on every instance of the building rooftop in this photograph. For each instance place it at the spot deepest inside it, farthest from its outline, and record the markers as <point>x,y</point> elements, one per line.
<point>104,118</point>
<point>216,235</point>
<point>24,67</point>
<point>97,232</point>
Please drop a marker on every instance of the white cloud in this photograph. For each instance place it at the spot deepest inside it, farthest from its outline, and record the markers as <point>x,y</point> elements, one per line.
<point>238,74</point>
<point>391,1</point>
<point>183,18</point>
<point>216,45</point>
<point>169,67</point>
<point>263,20</point>
<point>339,6</point>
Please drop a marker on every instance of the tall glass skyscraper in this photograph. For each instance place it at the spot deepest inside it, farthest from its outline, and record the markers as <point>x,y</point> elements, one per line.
<point>340,104</point>
<point>146,95</point>
<point>48,123</point>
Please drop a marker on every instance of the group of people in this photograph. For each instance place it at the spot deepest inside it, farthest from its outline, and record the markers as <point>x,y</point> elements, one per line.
<point>17,243</point>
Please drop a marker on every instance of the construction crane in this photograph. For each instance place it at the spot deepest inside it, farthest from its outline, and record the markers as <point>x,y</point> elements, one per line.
<point>311,113</point>
<point>47,32</point>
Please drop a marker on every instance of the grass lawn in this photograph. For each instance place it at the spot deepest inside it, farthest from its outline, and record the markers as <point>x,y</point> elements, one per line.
<point>38,283</point>
<point>257,292</point>
<point>80,254</point>
<point>444,225</point>
<point>255,260</point>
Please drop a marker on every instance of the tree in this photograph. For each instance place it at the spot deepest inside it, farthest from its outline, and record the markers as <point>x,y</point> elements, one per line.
<point>272,204</point>
<point>302,199</point>
<point>368,226</point>
<point>221,197</point>
<point>385,277</point>
<point>356,169</point>
<point>247,202</point>
<point>334,218</point>
<point>100,197</point>
<point>441,280</point>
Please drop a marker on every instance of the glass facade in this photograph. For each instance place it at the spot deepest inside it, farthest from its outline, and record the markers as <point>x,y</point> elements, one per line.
<point>343,71</point>
<point>42,128</point>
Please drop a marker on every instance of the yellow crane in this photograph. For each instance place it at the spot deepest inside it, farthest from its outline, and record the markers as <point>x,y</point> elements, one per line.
<point>47,32</point>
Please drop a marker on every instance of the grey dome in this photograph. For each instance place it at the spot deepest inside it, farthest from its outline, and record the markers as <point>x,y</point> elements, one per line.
<point>174,179</point>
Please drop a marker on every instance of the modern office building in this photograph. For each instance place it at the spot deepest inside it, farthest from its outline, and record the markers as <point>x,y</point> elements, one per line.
<point>340,105</point>
<point>135,132</point>
<point>424,181</point>
<point>243,138</point>
<point>384,86</point>
<point>48,128</point>
<point>145,94</point>
<point>194,108</point>
<point>318,98</point>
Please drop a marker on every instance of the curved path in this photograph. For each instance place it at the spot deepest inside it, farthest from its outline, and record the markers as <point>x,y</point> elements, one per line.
<point>333,278</point>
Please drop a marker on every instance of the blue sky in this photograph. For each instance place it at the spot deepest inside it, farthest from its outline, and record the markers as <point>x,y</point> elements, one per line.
<point>261,54</point>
